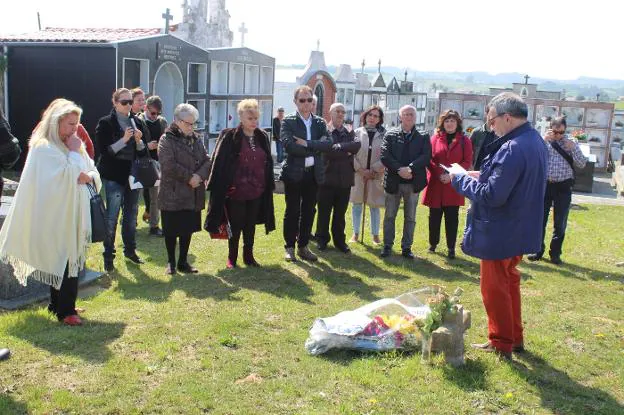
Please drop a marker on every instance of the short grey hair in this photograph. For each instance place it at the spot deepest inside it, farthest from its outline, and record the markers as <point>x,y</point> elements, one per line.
<point>335,106</point>
<point>407,107</point>
<point>184,110</point>
<point>510,103</point>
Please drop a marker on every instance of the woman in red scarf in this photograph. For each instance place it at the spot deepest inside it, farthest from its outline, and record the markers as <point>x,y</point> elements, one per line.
<point>448,145</point>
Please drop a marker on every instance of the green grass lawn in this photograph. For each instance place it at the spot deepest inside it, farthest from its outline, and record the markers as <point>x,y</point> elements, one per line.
<point>231,342</point>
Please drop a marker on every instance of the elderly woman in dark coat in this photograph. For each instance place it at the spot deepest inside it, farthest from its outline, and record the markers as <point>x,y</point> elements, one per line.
<point>241,183</point>
<point>185,166</point>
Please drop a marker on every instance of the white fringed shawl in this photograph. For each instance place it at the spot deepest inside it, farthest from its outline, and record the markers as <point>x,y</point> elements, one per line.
<point>49,222</point>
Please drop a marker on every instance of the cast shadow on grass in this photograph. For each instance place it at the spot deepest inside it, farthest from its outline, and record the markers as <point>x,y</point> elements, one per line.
<point>469,377</point>
<point>560,393</point>
<point>573,271</point>
<point>271,279</point>
<point>359,264</point>
<point>345,357</point>
<point>9,406</point>
<point>423,266</point>
<point>338,282</point>
<point>200,286</point>
<point>87,342</point>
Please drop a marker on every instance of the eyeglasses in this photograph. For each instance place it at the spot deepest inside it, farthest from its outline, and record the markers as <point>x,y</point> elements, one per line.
<point>155,114</point>
<point>372,114</point>
<point>190,124</point>
<point>491,120</point>
<point>558,132</point>
<point>126,101</point>
<point>304,100</point>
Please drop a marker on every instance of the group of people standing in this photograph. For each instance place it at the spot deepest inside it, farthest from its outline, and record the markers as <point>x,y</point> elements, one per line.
<point>369,166</point>
<point>510,174</point>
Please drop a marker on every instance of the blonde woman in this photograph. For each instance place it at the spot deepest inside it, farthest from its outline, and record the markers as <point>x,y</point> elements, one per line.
<point>241,182</point>
<point>52,247</point>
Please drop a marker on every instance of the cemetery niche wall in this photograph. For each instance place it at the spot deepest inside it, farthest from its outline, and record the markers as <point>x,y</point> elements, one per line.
<point>87,65</point>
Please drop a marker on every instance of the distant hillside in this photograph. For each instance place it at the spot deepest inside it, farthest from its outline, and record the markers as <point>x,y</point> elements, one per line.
<point>479,82</point>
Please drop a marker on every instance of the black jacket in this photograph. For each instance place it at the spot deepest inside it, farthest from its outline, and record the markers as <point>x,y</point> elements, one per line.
<point>9,145</point>
<point>107,132</point>
<point>339,163</point>
<point>224,162</point>
<point>294,166</point>
<point>481,139</point>
<point>277,126</point>
<point>392,153</point>
<point>156,129</point>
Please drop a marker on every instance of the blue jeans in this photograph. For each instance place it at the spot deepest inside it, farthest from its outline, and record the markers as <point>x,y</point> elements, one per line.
<point>375,218</point>
<point>279,149</point>
<point>393,201</point>
<point>559,196</point>
<point>120,197</point>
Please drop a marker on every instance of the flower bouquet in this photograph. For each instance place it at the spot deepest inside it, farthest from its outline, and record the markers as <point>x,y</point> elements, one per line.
<point>405,322</point>
<point>469,131</point>
<point>579,135</point>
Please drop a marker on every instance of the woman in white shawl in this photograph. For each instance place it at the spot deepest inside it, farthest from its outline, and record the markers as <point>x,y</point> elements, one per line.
<point>48,229</point>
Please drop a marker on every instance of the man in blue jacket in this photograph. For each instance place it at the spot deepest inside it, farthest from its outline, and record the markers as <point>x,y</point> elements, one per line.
<point>505,220</point>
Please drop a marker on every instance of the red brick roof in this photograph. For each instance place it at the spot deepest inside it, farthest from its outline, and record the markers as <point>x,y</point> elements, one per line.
<point>104,35</point>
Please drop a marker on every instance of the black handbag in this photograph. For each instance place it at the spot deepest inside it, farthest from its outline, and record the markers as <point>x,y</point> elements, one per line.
<point>99,230</point>
<point>146,171</point>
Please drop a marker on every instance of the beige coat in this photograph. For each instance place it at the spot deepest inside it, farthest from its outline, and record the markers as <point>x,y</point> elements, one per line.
<point>375,196</point>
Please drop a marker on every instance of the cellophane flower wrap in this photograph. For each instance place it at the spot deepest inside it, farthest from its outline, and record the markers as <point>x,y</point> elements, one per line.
<point>386,324</point>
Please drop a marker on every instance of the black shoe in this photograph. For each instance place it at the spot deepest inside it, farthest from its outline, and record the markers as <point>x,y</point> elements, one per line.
<point>187,268</point>
<point>518,348</point>
<point>4,354</point>
<point>322,246</point>
<point>385,252</point>
<point>344,249</point>
<point>407,253</point>
<point>135,258</point>
<point>109,266</point>
<point>432,249</point>
<point>534,257</point>
<point>451,254</point>
<point>156,232</point>
<point>556,260</point>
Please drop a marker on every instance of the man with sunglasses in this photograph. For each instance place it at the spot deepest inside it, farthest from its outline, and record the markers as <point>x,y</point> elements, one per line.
<point>563,156</point>
<point>156,125</point>
<point>504,221</point>
<point>304,137</point>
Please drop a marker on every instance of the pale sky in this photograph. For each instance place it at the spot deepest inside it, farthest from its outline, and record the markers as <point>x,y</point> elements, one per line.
<point>544,38</point>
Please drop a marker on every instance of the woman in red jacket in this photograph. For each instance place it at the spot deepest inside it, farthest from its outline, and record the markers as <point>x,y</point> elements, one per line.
<point>448,145</point>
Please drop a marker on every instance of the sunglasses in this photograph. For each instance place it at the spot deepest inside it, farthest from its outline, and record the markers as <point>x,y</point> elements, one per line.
<point>304,100</point>
<point>155,114</point>
<point>558,132</point>
<point>126,101</point>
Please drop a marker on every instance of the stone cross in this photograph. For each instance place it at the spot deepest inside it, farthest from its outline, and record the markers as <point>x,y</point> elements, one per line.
<point>526,79</point>
<point>318,45</point>
<point>363,63</point>
<point>167,16</point>
<point>242,29</point>
<point>379,63</point>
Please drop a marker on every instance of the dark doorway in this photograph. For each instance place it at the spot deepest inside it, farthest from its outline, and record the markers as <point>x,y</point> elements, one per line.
<point>319,92</point>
